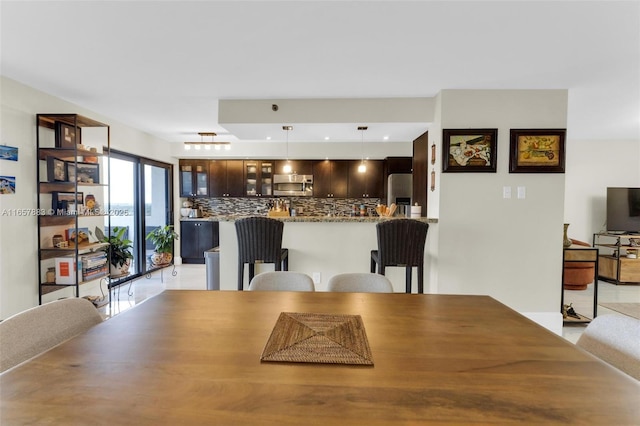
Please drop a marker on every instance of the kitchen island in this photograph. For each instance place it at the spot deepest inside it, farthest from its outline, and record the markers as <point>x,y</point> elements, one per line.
<point>324,245</point>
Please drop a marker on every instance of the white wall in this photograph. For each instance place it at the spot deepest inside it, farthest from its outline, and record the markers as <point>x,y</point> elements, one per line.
<point>18,234</point>
<point>592,166</point>
<point>510,249</point>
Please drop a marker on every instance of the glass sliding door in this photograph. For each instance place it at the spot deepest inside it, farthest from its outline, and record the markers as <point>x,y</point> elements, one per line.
<point>156,201</point>
<point>122,195</point>
<point>141,200</point>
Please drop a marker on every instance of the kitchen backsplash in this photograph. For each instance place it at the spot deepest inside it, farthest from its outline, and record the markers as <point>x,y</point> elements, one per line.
<point>307,206</point>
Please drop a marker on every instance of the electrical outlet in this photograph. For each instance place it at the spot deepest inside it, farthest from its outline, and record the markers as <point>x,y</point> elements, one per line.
<point>317,277</point>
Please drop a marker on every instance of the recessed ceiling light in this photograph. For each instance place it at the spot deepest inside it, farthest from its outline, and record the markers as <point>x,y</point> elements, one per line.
<point>326,138</point>
<point>268,138</point>
<point>386,138</point>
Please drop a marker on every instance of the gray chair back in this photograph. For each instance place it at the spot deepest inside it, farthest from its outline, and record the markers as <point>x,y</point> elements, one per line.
<point>614,339</point>
<point>282,281</point>
<point>360,283</point>
<point>31,332</point>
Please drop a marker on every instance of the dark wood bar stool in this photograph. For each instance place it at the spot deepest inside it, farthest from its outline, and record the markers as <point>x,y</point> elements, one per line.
<point>401,243</point>
<point>260,241</point>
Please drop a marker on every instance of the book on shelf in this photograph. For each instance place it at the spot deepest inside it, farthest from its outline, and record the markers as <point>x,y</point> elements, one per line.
<point>94,271</point>
<point>65,270</point>
<point>93,260</point>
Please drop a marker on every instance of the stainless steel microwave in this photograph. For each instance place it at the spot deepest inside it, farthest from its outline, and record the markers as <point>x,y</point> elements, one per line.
<point>293,185</point>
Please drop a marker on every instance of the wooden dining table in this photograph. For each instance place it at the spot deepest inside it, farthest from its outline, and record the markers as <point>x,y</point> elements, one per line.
<point>194,358</point>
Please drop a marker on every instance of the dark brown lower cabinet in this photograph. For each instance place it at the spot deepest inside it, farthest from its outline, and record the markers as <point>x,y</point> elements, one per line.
<point>197,236</point>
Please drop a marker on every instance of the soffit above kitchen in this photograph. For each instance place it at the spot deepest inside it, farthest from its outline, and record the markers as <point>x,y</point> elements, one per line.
<point>331,120</point>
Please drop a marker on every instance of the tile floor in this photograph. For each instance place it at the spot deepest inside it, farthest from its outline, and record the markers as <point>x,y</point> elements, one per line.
<point>193,277</point>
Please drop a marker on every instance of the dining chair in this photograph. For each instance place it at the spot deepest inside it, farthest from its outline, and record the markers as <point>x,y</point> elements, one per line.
<point>356,282</point>
<point>31,332</point>
<point>614,339</point>
<point>282,281</point>
<point>401,243</point>
<point>260,241</point>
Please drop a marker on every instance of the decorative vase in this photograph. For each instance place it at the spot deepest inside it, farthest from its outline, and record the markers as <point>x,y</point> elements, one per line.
<point>161,258</point>
<point>118,271</point>
<point>566,241</point>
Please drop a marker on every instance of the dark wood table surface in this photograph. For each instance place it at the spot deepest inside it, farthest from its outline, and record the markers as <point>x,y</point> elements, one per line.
<point>193,358</point>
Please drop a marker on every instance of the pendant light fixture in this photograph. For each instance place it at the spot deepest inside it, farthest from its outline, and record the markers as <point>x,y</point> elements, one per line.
<point>207,145</point>
<point>287,166</point>
<point>362,168</point>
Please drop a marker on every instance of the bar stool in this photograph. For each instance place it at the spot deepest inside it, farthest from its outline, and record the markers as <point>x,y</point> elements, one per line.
<point>401,243</point>
<point>260,241</point>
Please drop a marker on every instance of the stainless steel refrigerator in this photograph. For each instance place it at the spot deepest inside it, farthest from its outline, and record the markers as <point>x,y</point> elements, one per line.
<point>399,191</point>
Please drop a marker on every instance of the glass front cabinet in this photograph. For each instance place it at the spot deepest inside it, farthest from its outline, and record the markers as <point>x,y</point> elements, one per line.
<point>194,178</point>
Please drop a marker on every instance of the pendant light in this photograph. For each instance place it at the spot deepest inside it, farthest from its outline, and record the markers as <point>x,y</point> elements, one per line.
<point>287,166</point>
<point>362,168</point>
<point>207,145</point>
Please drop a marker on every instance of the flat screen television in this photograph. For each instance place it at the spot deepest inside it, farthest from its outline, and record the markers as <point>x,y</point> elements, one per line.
<point>623,210</point>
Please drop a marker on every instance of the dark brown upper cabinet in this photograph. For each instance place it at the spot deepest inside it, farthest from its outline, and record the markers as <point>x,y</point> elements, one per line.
<point>369,184</point>
<point>299,167</point>
<point>330,178</point>
<point>194,178</point>
<point>258,178</point>
<point>226,178</point>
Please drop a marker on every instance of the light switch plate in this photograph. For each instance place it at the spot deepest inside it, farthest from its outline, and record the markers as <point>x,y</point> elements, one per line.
<point>522,193</point>
<point>506,192</point>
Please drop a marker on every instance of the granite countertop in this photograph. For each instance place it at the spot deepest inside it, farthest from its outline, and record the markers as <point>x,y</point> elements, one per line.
<point>325,219</point>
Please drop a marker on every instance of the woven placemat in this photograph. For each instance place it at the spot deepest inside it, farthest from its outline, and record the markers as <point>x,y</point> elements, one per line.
<point>318,338</point>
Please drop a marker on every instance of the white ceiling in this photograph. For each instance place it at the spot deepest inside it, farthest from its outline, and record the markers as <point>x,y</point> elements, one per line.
<point>162,66</point>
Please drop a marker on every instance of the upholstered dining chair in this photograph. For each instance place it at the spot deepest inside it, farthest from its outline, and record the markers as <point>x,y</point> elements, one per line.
<point>356,282</point>
<point>282,281</point>
<point>614,339</point>
<point>401,243</point>
<point>36,330</point>
<point>260,241</point>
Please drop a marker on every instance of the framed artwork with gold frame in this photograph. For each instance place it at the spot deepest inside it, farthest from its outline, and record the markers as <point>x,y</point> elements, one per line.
<point>537,151</point>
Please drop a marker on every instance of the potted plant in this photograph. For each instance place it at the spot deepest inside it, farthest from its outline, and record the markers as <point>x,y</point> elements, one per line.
<point>162,237</point>
<point>119,250</point>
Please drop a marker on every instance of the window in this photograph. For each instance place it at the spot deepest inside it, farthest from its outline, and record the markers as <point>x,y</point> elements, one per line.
<point>141,200</point>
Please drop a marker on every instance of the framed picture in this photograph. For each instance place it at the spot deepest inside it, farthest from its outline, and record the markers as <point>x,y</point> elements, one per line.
<point>7,185</point>
<point>537,151</point>
<point>60,200</point>
<point>79,234</point>
<point>83,172</point>
<point>8,153</point>
<point>66,136</point>
<point>469,150</point>
<point>56,170</point>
